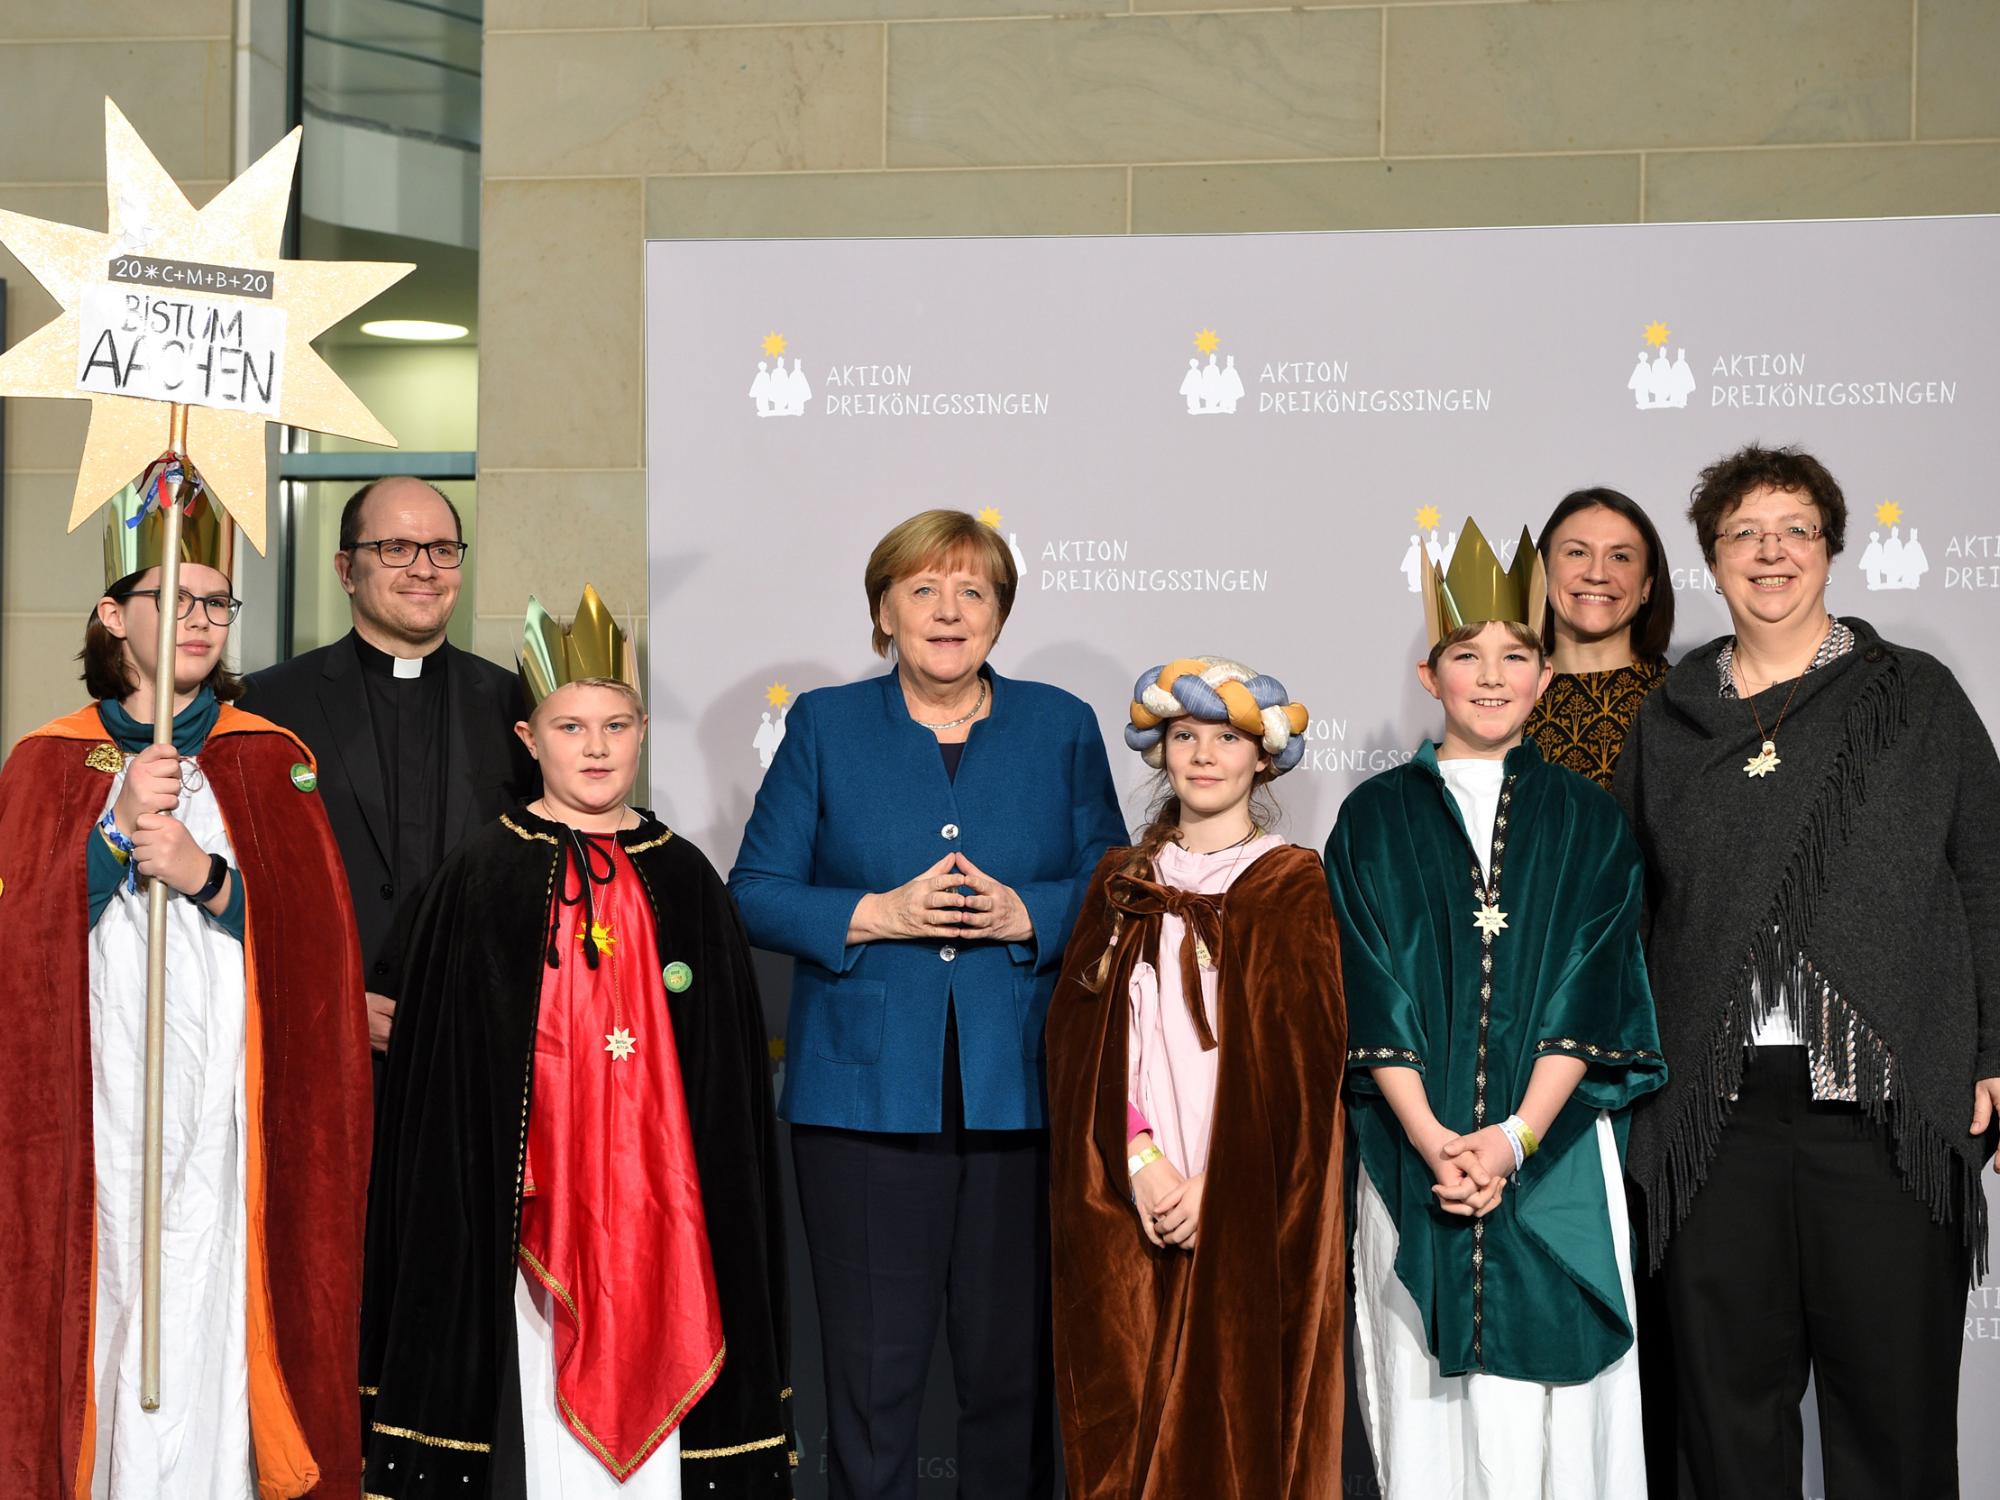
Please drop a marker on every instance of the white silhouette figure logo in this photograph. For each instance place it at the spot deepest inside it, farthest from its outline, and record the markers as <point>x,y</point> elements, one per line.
<point>777,391</point>
<point>770,734</point>
<point>1211,390</point>
<point>1894,564</point>
<point>1656,384</point>
<point>1413,563</point>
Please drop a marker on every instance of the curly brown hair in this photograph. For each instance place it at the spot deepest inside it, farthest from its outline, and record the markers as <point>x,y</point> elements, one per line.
<point>1727,482</point>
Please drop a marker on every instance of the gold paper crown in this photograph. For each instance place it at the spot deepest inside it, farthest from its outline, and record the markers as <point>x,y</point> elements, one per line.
<point>1475,588</point>
<point>208,536</point>
<point>592,645</point>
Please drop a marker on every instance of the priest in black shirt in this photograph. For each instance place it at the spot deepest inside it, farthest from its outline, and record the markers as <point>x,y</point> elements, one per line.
<point>414,737</point>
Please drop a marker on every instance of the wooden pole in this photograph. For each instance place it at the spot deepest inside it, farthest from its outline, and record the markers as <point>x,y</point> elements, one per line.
<point>157,896</point>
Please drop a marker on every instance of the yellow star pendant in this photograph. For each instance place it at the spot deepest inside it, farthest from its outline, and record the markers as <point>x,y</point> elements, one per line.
<point>242,226</point>
<point>1489,919</point>
<point>620,1044</point>
<point>600,933</point>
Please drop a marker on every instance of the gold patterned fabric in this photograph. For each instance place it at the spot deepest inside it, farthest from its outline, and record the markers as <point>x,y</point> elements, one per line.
<point>1582,720</point>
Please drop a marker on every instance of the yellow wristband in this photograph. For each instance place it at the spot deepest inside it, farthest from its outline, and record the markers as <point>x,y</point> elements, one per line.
<point>1529,1142</point>
<point>116,853</point>
<point>1141,1158</point>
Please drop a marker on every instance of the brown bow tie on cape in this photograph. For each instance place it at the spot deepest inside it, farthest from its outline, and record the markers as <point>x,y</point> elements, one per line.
<point>1146,903</point>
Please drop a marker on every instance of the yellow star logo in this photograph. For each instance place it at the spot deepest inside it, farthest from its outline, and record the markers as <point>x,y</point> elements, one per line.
<point>990,516</point>
<point>601,934</point>
<point>777,695</point>
<point>1427,516</point>
<point>1489,919</point>
<point>619,1043</point>
<point>774,343</point>
<point>1888,513</point>
<point>1657,333</point>
<point>1206,340</point>
<point>242,228</point>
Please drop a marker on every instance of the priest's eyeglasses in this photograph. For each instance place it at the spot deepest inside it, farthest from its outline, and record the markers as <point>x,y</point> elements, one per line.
<point>1744,541</point>
<point>400,552</point>
<point>221,609</point>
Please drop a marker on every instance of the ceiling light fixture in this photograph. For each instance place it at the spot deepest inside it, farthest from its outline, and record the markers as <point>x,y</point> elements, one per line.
<point>414,329</point>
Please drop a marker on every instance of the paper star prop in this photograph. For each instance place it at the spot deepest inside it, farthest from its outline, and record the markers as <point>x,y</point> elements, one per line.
<point>600,934</point>
<point>620,1044</point>
<point>1489,919</point>
<point>240,230</point>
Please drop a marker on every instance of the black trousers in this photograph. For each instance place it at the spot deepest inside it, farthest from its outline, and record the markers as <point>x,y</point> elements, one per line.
<point>903,1228</point>
<point>1804,1253</point>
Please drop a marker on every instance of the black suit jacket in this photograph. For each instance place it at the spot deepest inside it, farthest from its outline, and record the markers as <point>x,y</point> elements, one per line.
<point>320,697</point>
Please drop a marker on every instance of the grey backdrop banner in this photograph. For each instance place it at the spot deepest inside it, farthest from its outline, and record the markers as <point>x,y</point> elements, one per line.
<point>1242,445</point>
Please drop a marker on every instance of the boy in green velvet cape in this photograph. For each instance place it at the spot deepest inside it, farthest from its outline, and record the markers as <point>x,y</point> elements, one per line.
<point>1500,1027</point>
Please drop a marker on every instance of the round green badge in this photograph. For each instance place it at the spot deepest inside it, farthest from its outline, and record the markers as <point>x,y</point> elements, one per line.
<point>304,777</point>
<point>678,976</point>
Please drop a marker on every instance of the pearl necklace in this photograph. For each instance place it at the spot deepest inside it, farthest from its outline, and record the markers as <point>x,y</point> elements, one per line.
<point>965,718</point>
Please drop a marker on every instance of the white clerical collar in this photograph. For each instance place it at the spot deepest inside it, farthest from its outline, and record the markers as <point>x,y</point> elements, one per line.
<point>407,666</point>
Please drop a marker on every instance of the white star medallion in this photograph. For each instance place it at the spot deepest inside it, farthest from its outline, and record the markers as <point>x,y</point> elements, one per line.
<point>1489,919</point>
<point>619,1043</point>
<point>1764,762</point>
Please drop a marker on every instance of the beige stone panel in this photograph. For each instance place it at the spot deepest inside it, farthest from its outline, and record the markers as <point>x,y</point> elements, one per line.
<point>48,569</point>
<point>1135,89</point>
<point>1958,68</point>
<point>723,12</point>
<point>563,15</point>
<point>55,93</point>
<point>739,99</point>
<point>1834,182</point>
<point>1635,73</point>
<point>549,533</point>
<point>1405,194</point>
<point>560,325</point>
<point>27,20</point>
<point>1081,200</point>
<point>38,675</point>
<point>45,434</point>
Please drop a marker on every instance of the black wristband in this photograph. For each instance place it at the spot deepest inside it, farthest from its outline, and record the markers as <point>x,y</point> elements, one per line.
<point>218,872</point>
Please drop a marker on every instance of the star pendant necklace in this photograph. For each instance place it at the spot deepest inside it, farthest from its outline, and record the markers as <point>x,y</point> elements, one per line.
<point>1765,761</point>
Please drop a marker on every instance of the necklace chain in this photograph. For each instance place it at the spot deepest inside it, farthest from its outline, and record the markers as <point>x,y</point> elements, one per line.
<point>965,718</point>
<point>1766,760</point>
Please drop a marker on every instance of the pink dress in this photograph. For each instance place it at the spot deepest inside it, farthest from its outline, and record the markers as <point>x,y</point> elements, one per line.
<point>1172,1083</point>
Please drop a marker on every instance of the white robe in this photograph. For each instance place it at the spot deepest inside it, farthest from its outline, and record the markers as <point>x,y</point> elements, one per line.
<point>559,1466</point>
<point>197,1445</point>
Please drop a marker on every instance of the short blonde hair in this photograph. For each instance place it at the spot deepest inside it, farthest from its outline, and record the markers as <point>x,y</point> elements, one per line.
<point>616,684</point>
<point>932,539</point>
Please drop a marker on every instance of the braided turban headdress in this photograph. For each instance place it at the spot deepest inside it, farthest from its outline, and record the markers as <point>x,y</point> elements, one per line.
<point>1217,691</point>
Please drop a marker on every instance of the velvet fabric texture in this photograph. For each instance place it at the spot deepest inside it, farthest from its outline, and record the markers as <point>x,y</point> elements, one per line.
<point>439,1369</point>
<point>1874,853</point>
<point>311,1048</point>
<point>1215,1373</point>
<point>1567,977</point>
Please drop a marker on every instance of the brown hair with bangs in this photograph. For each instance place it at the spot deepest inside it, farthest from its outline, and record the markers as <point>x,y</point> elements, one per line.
<point>931,539</point>
<point>106,673</point>
<point>1523,636</point>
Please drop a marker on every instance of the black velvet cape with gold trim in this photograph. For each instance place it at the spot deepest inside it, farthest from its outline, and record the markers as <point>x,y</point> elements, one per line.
<point>1218,1373</point>
<point>441,1399</point>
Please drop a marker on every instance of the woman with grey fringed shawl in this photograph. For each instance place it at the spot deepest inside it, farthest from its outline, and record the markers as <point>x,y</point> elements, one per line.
<point>1819,811</point>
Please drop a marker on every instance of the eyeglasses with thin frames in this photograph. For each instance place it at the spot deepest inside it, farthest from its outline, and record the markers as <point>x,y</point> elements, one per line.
<point>400,552</point>
<point>221,609</point>
<point>1743,541</point>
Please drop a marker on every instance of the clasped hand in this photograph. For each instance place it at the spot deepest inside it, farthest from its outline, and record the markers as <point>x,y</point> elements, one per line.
<point>162,848</point>
<point>1169,1204</point>
<point>1471,1170</point>
<point>954,898</point>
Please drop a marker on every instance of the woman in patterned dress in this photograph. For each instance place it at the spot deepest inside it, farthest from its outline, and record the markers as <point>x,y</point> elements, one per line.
<point>1610,615</point>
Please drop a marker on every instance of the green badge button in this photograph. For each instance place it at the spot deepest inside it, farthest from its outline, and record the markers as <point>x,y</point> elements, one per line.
<point>678,976</point>
<point>304,777</point>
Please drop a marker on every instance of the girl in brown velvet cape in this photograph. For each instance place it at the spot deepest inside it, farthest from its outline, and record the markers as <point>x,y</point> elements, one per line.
<point>1196,1039</point>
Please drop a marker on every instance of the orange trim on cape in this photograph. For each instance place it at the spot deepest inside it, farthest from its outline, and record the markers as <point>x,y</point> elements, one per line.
<point>87,724</point>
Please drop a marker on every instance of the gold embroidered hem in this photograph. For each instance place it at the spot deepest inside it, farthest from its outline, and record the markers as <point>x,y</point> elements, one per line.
<point>1384,1054</point>
<point>456,1445</point>
<point>650,843</point>
<point>1581,722</point>
<point>531,835</point>
<point>756,1447</point>
<point>1591,1049</point>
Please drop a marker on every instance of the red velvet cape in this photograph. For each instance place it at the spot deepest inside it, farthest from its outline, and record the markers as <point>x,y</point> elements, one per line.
<point>1214,1374</point>
<point>308,1086</point>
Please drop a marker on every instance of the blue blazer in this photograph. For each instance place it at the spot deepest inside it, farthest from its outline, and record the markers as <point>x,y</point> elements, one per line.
<point>857,800</point>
